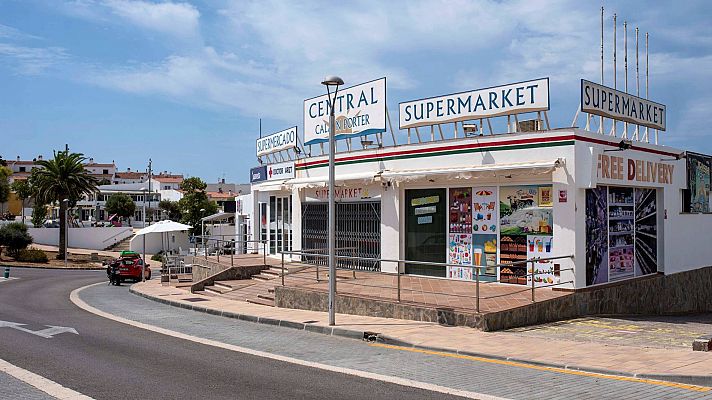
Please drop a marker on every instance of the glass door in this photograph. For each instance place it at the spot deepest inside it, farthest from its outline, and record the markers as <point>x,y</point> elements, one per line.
<point>426,236</point>
<point>280,224</point>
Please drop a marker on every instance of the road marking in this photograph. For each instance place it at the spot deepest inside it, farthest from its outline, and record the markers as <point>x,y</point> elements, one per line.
<point>50,387</point>
<point>74,298</point>
<point>46,333</point>
<point>543,368</point>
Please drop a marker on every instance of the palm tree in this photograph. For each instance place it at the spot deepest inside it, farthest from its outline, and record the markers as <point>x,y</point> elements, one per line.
<point>63,177</point>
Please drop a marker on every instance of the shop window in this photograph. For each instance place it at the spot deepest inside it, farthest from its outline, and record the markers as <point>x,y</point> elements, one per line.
<point>621,233</point>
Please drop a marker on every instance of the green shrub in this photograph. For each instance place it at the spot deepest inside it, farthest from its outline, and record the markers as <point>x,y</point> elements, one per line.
<point>157,257</point>
<point>31,255</point>
<point>14,237</point>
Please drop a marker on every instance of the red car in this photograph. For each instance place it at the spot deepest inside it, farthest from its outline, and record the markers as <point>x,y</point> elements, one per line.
<point>128,267</point>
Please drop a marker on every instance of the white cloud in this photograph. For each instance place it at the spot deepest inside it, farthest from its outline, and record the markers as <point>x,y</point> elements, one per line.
<point>179,19</point>
<point>31,60</point>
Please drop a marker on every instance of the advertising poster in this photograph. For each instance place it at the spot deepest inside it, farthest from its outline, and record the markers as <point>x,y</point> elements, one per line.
<point>542,272</point>
<point>521,213</point>
<point>484,254</point>
<point>596,235</point>
<point>646,232</point>
<point>698,183</point>
<point>484,204</point>
<point>460,210</point>
<point>621,220</point>
<point>460,252</point>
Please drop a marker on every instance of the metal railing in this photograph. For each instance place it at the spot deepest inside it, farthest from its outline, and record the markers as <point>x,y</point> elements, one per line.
<point>228,247</point>
<point>399,274</point>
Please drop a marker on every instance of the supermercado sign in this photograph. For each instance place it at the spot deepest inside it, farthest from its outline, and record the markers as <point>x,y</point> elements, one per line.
<point>632,171</point>
<point>614,104</point>
<point>280,171</point>
<point>356,193</point>
<point>279,141</point>
<point>360,110</point>
<point>509,99</point>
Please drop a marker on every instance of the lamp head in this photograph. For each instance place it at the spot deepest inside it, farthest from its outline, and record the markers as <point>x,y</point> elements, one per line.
<point>332,80</point>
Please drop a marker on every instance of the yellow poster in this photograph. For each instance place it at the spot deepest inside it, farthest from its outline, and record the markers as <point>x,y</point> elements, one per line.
<point>545,196</point>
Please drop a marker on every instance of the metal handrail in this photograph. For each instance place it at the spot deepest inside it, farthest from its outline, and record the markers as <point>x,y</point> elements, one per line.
<point>207,238</point>
<point>476,271</point>
<point>114,235</point>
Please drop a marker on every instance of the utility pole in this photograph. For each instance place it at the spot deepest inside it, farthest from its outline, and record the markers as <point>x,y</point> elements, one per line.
<point>150,177</point>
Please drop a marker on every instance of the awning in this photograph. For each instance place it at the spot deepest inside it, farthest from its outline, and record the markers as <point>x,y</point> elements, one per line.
<point>218,217</point>
<point>468,172</point>
<point>317,181</point>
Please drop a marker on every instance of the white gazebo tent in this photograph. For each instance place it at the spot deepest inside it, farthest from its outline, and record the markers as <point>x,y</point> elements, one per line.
<point>161,227</point>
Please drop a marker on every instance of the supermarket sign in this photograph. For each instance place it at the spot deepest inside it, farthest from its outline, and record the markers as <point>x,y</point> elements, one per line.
<point>514,98</point>
<point>283,140</point>
<point>620,106</point>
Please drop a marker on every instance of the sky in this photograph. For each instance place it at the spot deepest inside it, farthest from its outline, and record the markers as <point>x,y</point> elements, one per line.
<point>186,83</point>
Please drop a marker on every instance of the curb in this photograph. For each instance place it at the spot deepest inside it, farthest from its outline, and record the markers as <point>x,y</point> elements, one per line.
<point>698,380</point>
<point>59,268</point>
<point>324,330</point>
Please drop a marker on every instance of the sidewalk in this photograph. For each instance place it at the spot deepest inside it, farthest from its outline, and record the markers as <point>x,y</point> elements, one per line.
<point>667,364</point>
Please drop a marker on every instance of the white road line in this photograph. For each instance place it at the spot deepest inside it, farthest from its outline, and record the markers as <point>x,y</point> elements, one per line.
<point>50,387</point>
<point>74,297</point>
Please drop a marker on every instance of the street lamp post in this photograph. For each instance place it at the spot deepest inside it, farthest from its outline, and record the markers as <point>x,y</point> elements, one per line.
<point>143,269</point>
<point>330,81</point>
<point>66,230</point>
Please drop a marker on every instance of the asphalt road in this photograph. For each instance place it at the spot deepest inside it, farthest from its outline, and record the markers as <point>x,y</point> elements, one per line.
<point>110,360</point>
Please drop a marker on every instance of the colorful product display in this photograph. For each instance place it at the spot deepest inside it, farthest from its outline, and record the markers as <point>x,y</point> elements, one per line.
<point>543,272</point>
<point>460,252</point>
<point>621,222</point>
<point>461,210</point>
<point>525,212</point>
<point>646,232</point>
<point>485,210</point>
<point>596,236</point>
<point>699,181</point>
<point>486,245</point>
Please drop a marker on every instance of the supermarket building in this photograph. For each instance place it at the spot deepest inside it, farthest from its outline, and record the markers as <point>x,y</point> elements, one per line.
<point>620,206</point>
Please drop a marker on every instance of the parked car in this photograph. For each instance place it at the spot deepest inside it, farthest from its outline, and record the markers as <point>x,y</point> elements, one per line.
<point>130,265</point>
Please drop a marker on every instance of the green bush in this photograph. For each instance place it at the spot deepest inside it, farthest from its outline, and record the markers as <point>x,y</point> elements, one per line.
<point>31,255</point>
<point>14,237</point>
<point>157,257</point>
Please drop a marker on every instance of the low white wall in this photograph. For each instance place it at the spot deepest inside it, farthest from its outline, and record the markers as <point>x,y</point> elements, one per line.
<point>82,238</point>
<point>176,241</point>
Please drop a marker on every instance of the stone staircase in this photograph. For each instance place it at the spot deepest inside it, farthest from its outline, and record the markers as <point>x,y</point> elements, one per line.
<point>259,289</point>
<point>121,245</point>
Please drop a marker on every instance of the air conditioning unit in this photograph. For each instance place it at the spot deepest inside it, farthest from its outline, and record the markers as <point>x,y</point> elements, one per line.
<point>470,129</point>
<point>530,125</point>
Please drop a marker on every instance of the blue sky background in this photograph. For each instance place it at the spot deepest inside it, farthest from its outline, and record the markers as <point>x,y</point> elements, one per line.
<point>186,83</point>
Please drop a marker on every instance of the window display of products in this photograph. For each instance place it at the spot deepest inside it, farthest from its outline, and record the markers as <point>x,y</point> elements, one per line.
<point>485,210</point>
<point>646,232</point>
<point>597,235</point>
<point>620,232</point>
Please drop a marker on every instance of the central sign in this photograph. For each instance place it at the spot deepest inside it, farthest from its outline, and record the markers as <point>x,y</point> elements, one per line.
<point>360,110</point>
<point>283,140</point>
<point>509,99</point>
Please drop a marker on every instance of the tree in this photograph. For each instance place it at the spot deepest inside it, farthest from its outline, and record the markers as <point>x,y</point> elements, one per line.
<point>39,214</point>
<point>5,173</point>
<point>14,236</point>
<point>195,199</point>
<point>121,205</point>
<point>172,209</point>
<point>23,190</point>
<point>104,181</point>
<point>62,177</point>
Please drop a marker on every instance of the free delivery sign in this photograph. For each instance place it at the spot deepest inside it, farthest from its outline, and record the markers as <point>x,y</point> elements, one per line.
<point>360,110</point>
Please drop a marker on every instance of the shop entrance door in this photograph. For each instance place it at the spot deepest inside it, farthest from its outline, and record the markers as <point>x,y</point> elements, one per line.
<point>425,226</point>
<point>280,224</point>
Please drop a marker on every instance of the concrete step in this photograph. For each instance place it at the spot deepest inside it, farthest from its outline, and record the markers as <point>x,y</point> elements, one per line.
<point>261,277</point>
<point>216,290</point>
<point>272,271</point>
<point>222,286</point>
<point>205,293</point>
<point>261,302</point>
<point>266,297</point>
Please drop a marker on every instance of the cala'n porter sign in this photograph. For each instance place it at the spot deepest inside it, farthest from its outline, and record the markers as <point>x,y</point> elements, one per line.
<point>359,110</point>
<point>614,104</point>
<point>515,98</point>
<point>279,141</point>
